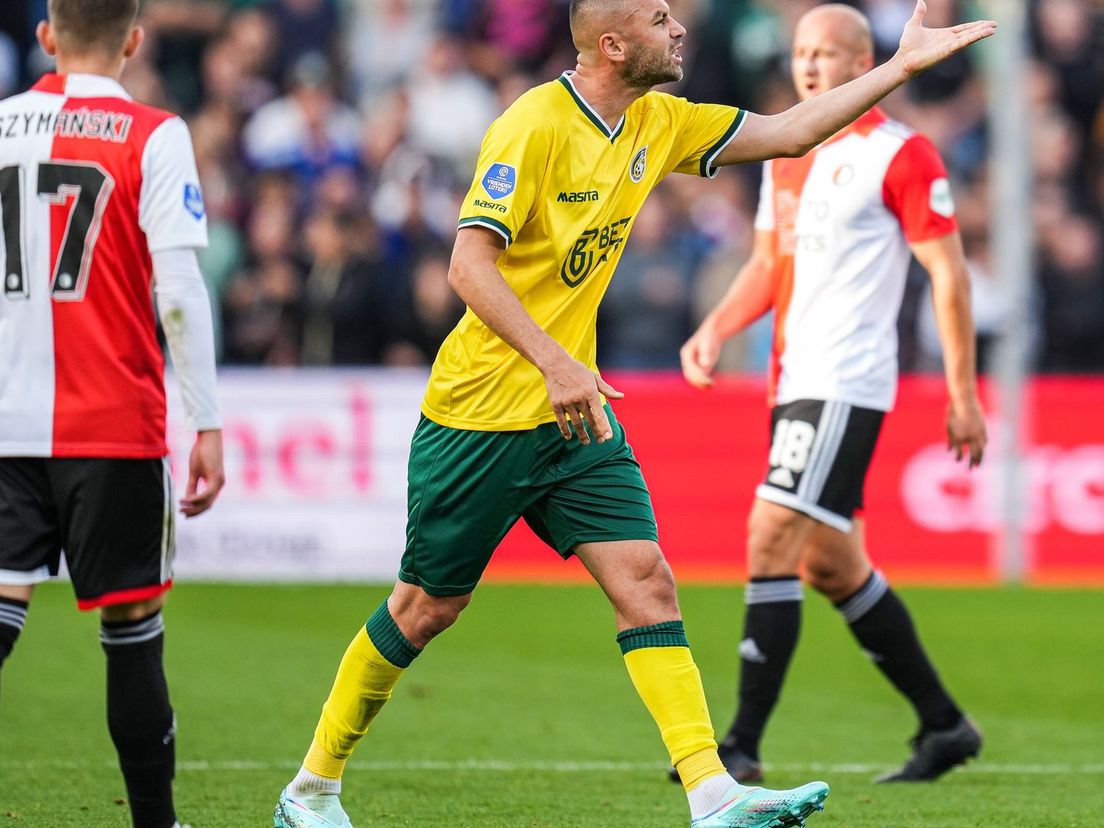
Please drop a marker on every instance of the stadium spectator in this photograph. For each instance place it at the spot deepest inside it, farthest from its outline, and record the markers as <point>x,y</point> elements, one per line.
<point>450,107</point>
<point>304,28</point>
<point>385,41</point>
<point>261,307</point>
<point>348,316</point>
<point>84,465</point>
<point>306,132</point>
<point>436,307</point>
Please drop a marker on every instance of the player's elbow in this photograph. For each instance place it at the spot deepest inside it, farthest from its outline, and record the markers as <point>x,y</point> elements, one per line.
<point>457,276</point>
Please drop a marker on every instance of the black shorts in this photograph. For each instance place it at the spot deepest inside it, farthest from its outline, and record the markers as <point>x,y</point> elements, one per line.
<point>819,456</point>
<point>113,518</point>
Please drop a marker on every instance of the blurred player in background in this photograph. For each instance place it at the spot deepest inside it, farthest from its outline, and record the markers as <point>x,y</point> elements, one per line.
<point>514,422</point>
<point>832,241</point>
<point>99,199</point>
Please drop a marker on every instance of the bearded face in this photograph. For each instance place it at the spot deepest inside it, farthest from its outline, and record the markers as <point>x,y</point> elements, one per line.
<point>648,65</point>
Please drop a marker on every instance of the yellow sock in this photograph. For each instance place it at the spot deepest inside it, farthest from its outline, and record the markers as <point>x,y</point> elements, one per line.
<point>667,680</point>
<point>362,687</point>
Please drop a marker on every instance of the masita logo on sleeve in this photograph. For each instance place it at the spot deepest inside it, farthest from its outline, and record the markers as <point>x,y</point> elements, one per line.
<point>500,180</point>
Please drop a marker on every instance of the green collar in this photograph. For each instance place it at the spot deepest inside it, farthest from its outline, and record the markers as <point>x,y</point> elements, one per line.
<point>588,110</point>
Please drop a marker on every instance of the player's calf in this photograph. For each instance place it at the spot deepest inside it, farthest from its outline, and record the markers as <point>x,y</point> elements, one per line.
<point>140,718</point>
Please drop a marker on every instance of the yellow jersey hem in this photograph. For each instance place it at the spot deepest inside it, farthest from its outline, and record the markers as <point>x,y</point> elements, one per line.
<point>466,424</point>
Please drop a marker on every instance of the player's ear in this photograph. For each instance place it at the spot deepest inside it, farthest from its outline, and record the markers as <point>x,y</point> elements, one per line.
<point>45,34</point>
<point>612,47</point>
<point>133,41</point>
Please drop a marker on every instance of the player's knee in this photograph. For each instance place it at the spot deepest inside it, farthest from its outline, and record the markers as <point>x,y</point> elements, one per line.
<point>431,615</point>
<point>823,577</point>
<point>132,611</point>
<point>656,594</point>
<point>834,581</point>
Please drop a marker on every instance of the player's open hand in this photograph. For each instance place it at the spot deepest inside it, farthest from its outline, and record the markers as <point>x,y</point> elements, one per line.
<point>699,357</point>
<point>966,435</point>
<point>205,474</point>
<point>575,393</point>
<point>922,48</point>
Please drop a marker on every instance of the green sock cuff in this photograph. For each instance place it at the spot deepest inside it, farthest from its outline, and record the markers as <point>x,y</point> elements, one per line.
<point>388,638</point>
<point>667,634</point>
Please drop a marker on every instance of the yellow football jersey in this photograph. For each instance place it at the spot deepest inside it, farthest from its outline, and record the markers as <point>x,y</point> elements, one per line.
<point>562,188</point>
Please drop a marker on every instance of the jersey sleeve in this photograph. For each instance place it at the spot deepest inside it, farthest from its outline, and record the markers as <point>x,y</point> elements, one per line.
<point>508,176</point>
<point>918,191</point>
<point>764,215</point>
<point>170,207</point>
<point>702,131</point>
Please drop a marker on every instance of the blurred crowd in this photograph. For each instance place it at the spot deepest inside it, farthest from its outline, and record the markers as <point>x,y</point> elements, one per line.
<point>335,139</point>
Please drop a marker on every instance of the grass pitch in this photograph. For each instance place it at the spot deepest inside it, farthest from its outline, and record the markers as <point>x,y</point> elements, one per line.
<point>522,715</point>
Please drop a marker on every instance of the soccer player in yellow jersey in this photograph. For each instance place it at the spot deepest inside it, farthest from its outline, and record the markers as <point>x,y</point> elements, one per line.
<point>514,422</point>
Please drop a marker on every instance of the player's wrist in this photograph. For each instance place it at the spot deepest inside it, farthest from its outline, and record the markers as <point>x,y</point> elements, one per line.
<point>964,401</point>
<point>899,69</point>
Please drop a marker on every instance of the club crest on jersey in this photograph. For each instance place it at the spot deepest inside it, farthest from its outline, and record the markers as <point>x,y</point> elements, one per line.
<point>193,201</point>
<point>500,180</point>
<point>844,175</point>
<point>639,165</point>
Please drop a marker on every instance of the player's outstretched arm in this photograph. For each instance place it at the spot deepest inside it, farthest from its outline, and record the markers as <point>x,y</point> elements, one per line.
<point>750,295</point>
<point>574,391</point>
<point>945,262</point>
<point>802,127</point>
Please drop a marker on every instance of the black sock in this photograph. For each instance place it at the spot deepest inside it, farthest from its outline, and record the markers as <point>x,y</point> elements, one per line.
<point>771,625</point>
<point>882,624</point>
<point>13,615</point>
<point>140,718</point>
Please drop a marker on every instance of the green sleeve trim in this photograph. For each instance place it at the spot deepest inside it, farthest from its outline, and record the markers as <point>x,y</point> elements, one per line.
<point>388,638</point>
<point>667,634</point>
<point>706,169</point>
<point>491,224</point>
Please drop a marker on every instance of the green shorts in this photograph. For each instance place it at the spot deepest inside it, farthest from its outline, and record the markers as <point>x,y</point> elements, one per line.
<point>467,488</point>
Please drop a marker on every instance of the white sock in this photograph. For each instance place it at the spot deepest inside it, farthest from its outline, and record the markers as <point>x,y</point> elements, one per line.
<point>306,783</point>
<point>711,794</point>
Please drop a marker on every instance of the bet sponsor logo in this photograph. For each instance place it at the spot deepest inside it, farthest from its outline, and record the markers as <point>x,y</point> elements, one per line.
<point>500,180</point>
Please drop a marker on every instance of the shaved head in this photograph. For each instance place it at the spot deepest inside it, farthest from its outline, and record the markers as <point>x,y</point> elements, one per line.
<point>848,24</point>
<point>590,18</point>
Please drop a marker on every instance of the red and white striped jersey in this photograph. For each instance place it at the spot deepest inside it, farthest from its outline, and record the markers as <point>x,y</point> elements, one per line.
<point>91,183</point>
<point>843,217</point>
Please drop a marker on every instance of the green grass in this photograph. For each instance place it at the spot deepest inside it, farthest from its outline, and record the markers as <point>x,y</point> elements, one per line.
<point>523,715</point>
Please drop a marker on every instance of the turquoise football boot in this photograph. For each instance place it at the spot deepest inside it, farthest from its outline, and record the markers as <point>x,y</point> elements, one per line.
<point>764,808</point>
<point>311,811</point>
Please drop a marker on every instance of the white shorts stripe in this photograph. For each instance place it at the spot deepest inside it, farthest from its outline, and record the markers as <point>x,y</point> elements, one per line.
<point>11,577</point>
<point>822,427</point>
<point>168,525</point>
<point>832,441</point>
<point>794,502</point>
